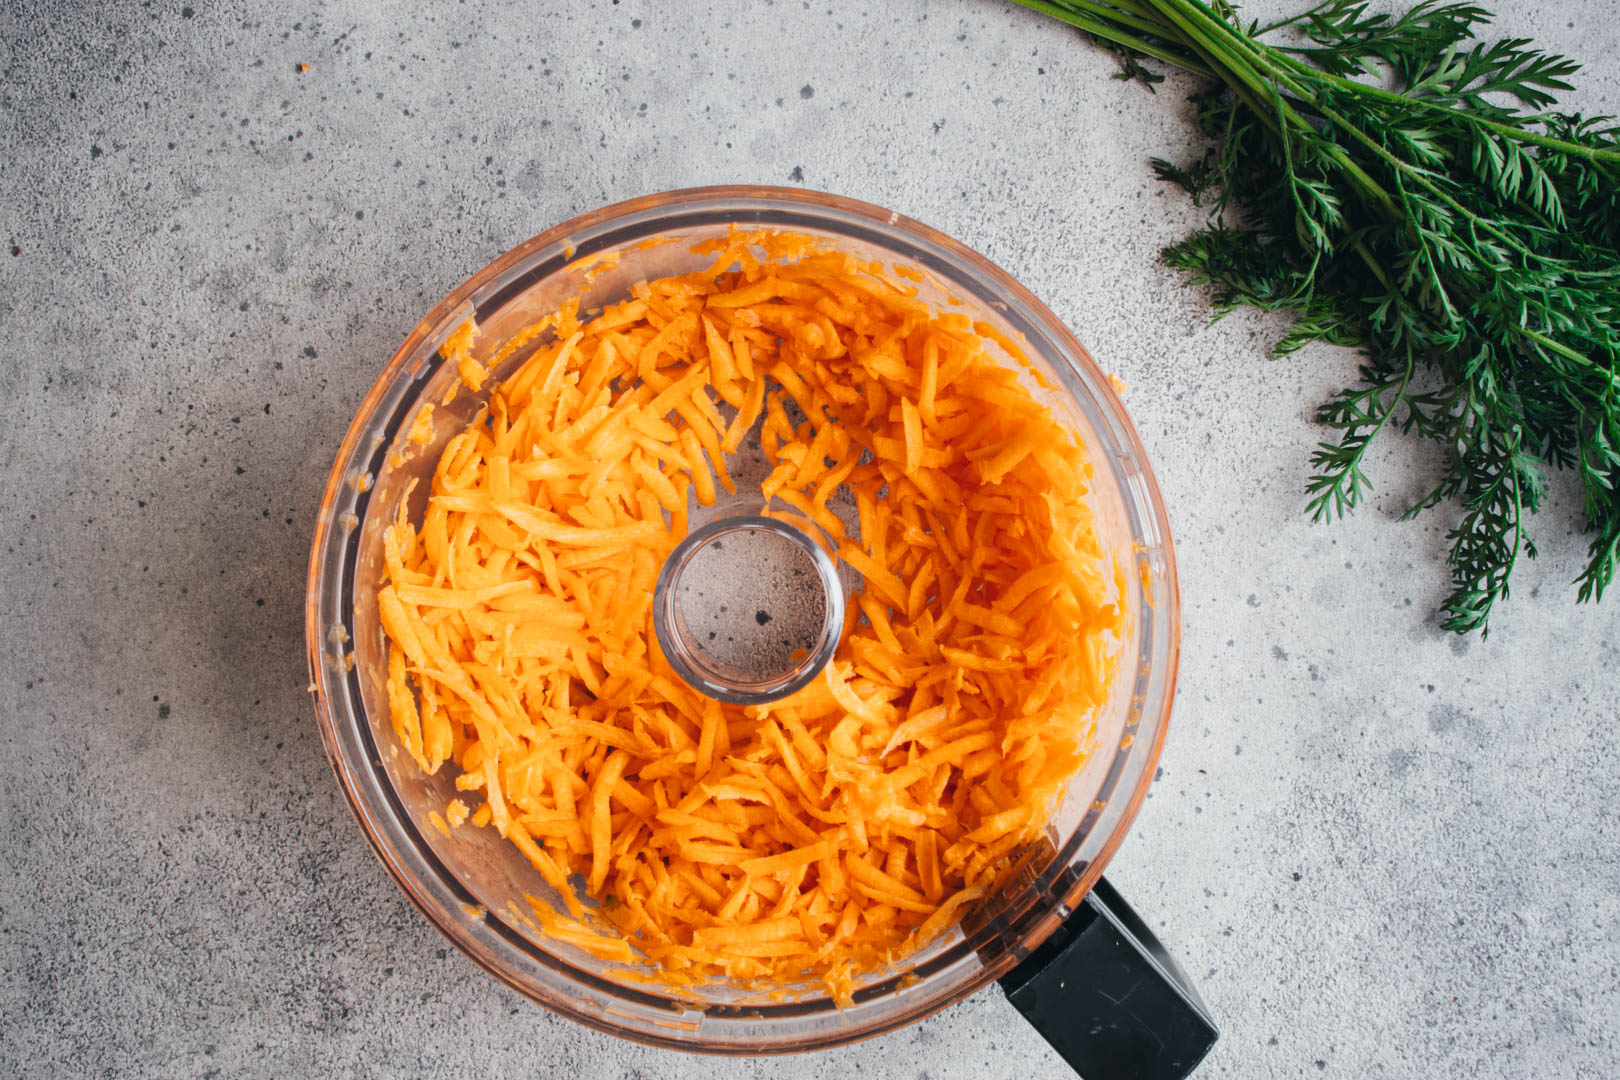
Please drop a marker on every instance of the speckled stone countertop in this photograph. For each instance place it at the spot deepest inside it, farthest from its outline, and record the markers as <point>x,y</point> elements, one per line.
<point>1379,850</point>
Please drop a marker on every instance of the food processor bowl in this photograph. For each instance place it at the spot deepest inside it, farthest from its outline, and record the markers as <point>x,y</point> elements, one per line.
<point>471,884</point>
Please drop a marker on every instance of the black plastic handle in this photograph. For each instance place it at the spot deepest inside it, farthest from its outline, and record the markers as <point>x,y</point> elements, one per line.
<point>1109,999</point>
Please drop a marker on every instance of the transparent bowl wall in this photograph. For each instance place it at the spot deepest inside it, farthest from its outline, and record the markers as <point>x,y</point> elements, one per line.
<point>471,884</point>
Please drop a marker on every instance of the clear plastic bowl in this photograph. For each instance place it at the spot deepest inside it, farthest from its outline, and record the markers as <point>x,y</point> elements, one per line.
<point>470,884</point>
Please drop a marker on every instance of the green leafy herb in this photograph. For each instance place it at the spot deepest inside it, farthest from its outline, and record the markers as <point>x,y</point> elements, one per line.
<point>1406,190</point>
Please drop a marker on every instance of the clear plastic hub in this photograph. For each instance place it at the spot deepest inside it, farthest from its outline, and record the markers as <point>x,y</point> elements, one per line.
<point>747,609</point>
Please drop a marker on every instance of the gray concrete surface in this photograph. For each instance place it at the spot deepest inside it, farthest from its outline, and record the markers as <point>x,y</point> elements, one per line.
<point>1379,849</point>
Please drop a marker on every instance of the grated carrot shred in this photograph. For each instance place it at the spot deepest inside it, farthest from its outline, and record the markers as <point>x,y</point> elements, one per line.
<point>825,835</point>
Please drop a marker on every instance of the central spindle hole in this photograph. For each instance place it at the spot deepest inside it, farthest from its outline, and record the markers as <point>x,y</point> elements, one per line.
<point>752,605</point>
<point>748,608</point>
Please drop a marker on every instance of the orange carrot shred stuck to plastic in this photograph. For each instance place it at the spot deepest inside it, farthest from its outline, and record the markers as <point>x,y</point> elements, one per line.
<point>823,836</point>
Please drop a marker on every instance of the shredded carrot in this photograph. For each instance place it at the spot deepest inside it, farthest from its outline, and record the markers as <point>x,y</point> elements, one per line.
<point>827,834</point>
